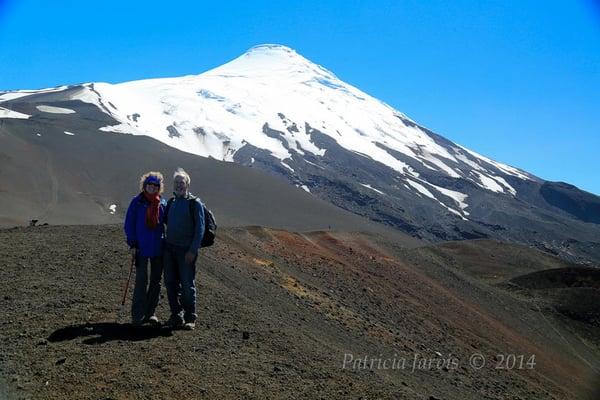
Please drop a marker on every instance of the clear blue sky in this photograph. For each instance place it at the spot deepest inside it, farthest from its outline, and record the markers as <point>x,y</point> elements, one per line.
<point>518,81</point>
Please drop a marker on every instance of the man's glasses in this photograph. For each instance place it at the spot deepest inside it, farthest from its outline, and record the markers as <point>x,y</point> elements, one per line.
<point>153,184</point>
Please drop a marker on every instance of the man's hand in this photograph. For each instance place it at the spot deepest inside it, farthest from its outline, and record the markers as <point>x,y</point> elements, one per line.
<point>189,257</point>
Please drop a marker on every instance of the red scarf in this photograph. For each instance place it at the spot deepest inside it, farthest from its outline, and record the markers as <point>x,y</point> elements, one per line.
<point>153,210</point>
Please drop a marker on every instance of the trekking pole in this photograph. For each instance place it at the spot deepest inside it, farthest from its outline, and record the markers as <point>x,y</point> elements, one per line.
<point>128,279</point>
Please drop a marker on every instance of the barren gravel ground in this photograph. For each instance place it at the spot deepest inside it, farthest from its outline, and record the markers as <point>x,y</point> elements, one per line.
<point>281,311</point>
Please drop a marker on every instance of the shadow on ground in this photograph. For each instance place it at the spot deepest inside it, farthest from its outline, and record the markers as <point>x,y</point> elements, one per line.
<point>108,331</point>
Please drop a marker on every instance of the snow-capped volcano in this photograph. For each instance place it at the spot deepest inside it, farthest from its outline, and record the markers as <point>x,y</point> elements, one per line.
<point>274,110</point>
<point>218,112</point>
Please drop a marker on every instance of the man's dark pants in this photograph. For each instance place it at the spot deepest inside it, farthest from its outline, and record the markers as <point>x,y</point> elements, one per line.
<point>180,280</point>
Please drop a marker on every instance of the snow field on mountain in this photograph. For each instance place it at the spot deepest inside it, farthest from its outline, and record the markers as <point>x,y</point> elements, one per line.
<point>273,88</point>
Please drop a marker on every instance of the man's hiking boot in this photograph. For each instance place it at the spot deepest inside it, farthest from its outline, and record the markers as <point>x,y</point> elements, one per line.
<point>189,326</point>
<point>137,322</point>
<point>175,322</point>
<point>153,320</point>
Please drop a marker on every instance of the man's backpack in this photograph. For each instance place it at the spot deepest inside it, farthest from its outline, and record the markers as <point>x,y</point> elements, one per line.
<point>210,225</point>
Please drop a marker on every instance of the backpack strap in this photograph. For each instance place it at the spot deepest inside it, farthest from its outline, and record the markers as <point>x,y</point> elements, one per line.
<point>192,204</point>
<point>167,208</point>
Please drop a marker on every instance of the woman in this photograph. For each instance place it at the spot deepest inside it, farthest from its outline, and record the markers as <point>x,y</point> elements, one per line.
<point>144,231</point>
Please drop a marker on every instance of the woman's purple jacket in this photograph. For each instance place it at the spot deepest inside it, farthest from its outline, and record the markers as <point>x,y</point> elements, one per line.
<point>149,242</point>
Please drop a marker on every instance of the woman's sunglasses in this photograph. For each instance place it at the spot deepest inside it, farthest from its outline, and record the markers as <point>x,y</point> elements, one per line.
<point>153,184</point>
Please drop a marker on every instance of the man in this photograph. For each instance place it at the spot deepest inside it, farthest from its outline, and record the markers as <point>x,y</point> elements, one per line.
<point>184,217</point>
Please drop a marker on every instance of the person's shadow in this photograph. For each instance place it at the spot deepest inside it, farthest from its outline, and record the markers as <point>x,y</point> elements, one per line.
<point>103,332</point>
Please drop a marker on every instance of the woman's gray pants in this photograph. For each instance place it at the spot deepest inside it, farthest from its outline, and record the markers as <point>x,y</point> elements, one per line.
<point>146,294</point>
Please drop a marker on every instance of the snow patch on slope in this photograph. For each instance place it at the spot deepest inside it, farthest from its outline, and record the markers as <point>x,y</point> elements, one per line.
<point>121,128</point>
<point>421,189</point>
<point>15,94</point>
<point>489,183</point>
<point>6,113</point>
<point>304,187</point>
<point>503,167</point>
<point>55,110</point>
<point>458,197</point>
<point>424,191</point>
<point>371,187</point>
<point>287,166</point>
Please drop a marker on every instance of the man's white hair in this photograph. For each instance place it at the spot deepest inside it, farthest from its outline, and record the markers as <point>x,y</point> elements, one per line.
<point>180,172</point>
